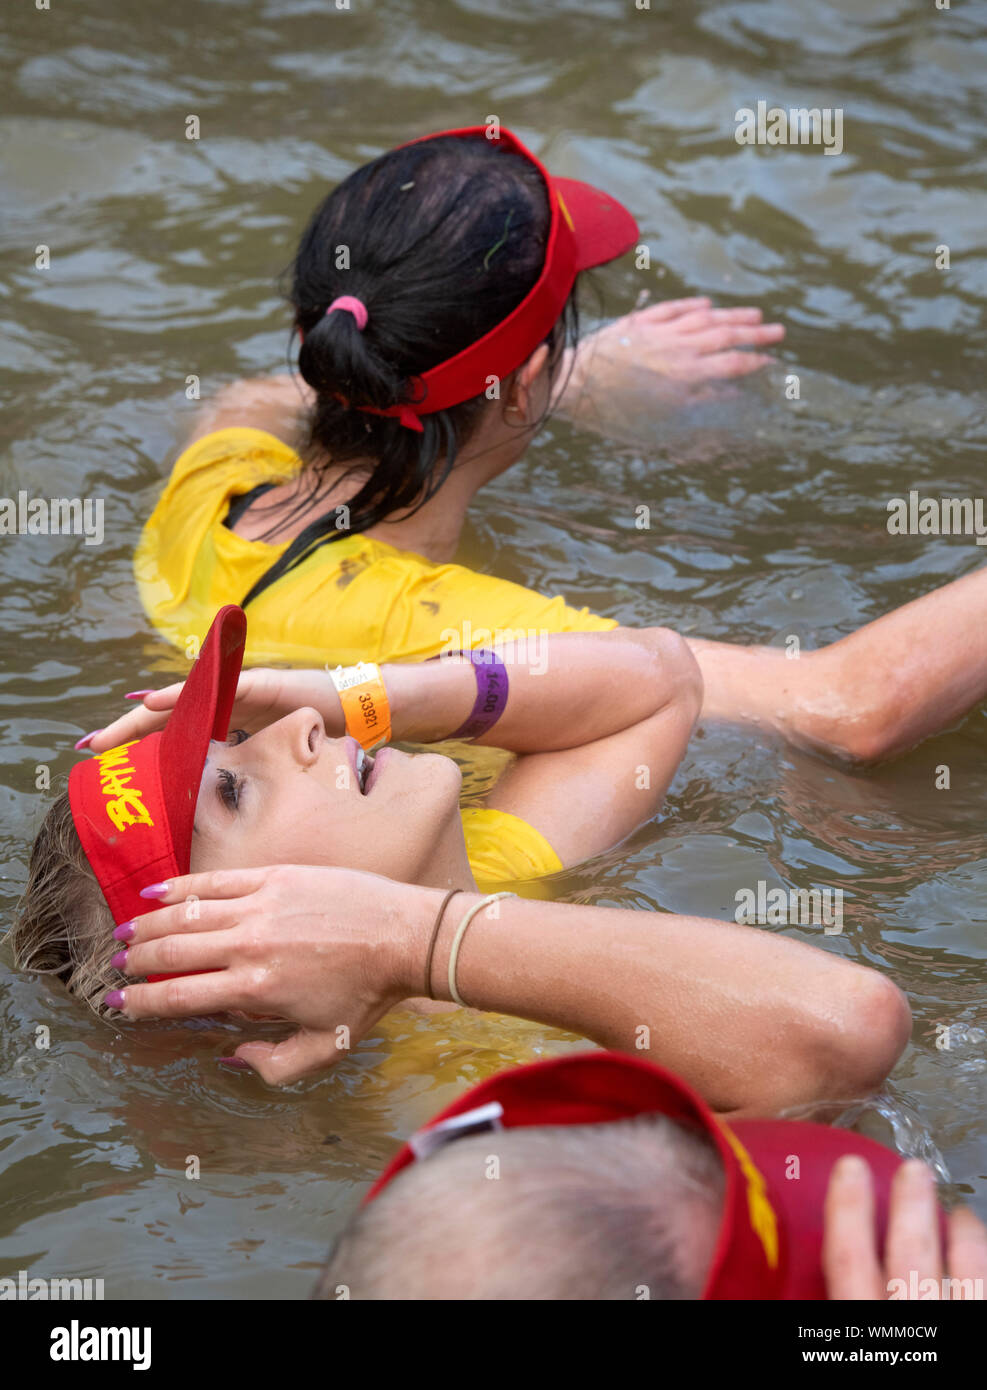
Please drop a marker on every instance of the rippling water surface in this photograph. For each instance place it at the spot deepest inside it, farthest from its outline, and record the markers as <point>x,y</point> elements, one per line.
<point>768,516</point>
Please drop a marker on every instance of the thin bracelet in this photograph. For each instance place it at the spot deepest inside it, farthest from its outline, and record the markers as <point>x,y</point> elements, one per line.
<point>457,941</point>
<point>435,936</point>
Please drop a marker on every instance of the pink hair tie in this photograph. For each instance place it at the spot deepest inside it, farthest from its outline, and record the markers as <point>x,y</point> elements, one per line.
<point>356,307</point>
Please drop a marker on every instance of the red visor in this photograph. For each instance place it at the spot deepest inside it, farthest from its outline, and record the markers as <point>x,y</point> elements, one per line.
<point>133,807</point>
<point>770,1240</point>
<point>586,228</point>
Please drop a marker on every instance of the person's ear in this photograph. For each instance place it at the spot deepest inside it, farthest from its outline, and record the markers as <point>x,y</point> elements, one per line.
<point>523,392</point>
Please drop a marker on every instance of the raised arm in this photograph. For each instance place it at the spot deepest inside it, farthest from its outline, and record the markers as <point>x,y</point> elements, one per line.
<point>757,1022</point>
<point>601,720</point>
<point>657,349</point>
<point>566,690</point>
<point>650,360</point>
<point>588,797</point>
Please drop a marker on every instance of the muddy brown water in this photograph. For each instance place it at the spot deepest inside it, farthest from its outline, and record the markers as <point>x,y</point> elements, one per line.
<point>769,518</point>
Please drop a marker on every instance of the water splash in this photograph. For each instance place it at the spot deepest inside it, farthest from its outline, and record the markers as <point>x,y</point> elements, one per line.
<point>911,1136</point>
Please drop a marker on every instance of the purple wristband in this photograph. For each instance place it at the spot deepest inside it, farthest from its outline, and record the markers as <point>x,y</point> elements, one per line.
<point>491,693</point>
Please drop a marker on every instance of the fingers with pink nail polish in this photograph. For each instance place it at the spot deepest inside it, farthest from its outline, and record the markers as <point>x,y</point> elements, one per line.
<point>119,961</point>
<point>237,1063</point>
<point>86,740</point>
<point>137,694</point>
<point>124,932</point>
<point>155,890</point>
<point>115,999</point>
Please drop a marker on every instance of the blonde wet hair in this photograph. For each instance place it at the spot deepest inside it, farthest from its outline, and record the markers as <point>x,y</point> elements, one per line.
<point>615,1211</point>
<point>63,926</point>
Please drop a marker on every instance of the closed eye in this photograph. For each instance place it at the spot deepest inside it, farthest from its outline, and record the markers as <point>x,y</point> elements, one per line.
<point>228,788</point>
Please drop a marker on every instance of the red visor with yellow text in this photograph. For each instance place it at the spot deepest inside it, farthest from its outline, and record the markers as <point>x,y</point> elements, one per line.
<point>134,806</point>
<point>586,228</point>
<point>777,1171</point>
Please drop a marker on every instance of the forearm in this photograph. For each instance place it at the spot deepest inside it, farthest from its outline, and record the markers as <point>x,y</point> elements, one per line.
<point>756,1022</point>
<point>927,659</point>
<point>602,379</point>
<point>576,688</point>
<point>581,687</point>
<point>651,361</point>
<point>870,695</point>
<point>586,377</point>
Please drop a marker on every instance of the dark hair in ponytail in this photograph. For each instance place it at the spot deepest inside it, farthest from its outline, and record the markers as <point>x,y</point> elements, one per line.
<point>441,240</point>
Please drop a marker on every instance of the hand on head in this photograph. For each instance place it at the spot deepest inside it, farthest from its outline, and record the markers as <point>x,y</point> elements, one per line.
<point>330,949</point>
<point>264,695</point>
<point>914,1263</point>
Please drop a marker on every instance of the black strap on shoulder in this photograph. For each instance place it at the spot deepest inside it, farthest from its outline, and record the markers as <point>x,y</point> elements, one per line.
<point>245,500</point>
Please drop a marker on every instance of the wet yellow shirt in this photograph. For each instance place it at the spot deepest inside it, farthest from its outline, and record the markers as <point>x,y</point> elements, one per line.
<point>354,599</point>
<point>504,849</point>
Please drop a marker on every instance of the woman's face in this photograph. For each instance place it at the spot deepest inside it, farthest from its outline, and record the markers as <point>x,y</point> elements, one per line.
<point>290,795</point>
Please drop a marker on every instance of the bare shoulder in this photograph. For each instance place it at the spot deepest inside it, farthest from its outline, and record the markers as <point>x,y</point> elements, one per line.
<point>276,404</point>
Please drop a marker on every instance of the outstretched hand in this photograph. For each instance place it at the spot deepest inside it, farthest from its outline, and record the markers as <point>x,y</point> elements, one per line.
<point>688,341</point>
<point>683,341</point>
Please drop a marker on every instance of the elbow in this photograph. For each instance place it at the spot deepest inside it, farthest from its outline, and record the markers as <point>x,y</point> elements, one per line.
<point>879,1030</point>
<point>876,736</point>
<point>852,1049</point>
<point>860,739</point>
<point>860,718</point>
<point>678,673</point>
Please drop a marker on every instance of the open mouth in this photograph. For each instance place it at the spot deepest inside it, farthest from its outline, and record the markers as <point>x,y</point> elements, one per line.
<point>364,767</point>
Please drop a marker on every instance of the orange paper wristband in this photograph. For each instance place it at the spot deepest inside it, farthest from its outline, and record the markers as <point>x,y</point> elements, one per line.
<point>366,708</point>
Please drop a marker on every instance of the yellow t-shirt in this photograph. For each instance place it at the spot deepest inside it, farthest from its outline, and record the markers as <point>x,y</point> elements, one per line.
<point>504,849</point>
<point>354,599</point>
